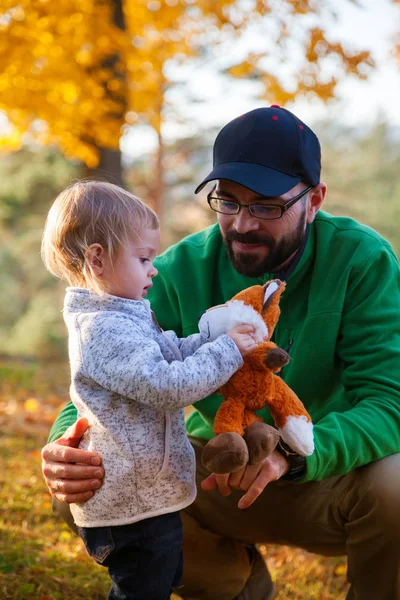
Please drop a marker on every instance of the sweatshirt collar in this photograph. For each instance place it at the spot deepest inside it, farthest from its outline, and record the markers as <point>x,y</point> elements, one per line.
<point>81,300</point>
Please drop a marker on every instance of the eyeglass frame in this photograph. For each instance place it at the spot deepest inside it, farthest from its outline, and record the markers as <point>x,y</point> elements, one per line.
<point>283,207</point>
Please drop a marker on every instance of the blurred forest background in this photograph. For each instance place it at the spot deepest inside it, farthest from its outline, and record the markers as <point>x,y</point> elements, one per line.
<point>126,90</point>
<point>361,168</point>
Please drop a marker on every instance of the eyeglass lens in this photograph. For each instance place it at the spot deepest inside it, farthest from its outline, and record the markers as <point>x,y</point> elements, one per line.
<point>259,211</point>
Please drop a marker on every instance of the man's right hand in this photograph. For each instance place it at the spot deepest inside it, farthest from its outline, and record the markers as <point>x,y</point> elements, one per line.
<point>252,479</point>
<point>71,474</point>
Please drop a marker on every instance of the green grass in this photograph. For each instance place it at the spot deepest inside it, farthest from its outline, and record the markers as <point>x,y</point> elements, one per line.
<point>40,559</point>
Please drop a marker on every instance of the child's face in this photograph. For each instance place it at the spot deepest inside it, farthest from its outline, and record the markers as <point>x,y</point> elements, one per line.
<point>132,272</point>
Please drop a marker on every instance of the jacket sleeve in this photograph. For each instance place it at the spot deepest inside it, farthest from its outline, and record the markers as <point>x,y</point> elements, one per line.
<point>368,347</point>
<point>164,300</point>
<point>65,419</point>
<point>120,359</point>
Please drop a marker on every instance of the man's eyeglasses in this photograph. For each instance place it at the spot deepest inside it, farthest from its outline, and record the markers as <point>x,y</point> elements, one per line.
<point>267,212</point>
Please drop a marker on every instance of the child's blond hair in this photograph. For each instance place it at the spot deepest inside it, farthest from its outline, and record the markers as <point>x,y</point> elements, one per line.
<point>90,212</point>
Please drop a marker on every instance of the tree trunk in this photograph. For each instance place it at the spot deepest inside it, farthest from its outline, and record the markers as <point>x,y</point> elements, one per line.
<point>110,165</point>
<point>108,169</point>
<point>158,188</point>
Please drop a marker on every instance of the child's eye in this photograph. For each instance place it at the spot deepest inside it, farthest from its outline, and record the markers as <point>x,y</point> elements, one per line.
<point>143,260</point>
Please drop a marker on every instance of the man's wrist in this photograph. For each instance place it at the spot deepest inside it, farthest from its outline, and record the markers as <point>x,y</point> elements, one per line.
<point>282,464</point>
<point>297,465</point>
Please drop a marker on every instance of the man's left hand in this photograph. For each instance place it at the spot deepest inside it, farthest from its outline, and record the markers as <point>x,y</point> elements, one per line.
<point>252,479</point>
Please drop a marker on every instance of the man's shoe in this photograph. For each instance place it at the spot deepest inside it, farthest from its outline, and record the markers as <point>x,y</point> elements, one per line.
<point>259,585</point>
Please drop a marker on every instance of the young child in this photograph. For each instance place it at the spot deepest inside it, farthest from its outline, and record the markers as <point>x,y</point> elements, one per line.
<point>131,381</point>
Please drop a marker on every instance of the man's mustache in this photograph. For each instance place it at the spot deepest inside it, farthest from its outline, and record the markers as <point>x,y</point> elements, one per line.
<point>247,238</point>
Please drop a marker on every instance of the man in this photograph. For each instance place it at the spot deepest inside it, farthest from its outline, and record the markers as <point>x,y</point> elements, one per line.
<point>340,322</point>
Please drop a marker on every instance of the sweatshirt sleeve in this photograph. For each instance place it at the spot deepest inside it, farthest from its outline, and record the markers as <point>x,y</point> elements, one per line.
<point>187,345</point>
<point>369,350</point>
<point>121,360</point>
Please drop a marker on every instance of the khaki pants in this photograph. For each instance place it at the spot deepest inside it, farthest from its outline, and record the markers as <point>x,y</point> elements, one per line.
<point>356,514</point>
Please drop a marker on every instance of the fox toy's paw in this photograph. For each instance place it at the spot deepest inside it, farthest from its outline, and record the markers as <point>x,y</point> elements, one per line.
<point>225,453</point>
<point>276,358</point>
<point>261,440</point>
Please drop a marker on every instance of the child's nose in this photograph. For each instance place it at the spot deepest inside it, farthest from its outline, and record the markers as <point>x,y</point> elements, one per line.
<point>153,271</point>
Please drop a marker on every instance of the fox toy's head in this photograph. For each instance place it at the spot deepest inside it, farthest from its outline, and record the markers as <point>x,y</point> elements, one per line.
<point>257,305</point>
<point>265,301</point>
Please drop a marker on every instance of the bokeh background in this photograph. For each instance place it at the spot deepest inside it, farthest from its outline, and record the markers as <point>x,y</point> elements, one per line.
<point>134,92</point>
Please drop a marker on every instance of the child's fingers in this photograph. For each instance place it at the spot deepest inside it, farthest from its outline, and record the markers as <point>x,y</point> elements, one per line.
<point>247,345</point>
<point>251,341</point>
<point>257,338</point>
<point>244,328</point>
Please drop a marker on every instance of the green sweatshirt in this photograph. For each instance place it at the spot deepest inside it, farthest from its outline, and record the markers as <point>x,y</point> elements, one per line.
<point>340,320</point>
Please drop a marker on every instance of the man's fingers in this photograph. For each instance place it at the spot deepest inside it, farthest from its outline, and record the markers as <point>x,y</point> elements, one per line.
<point>223,484</point>
<point>219,482</point>
<point>236,478</point>
<point>61,486</point>
<point>209,483</point>
<point>71,474</point>
<point>249,476</point>
<point>265,476</point>
<point>270,469</point>
<point>58,453</point>
<point>73,498</point>
<point>56,471</point>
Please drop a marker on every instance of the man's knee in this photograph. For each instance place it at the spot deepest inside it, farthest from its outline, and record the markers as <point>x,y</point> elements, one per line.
<point>213,566</point>
<point>379,488</point>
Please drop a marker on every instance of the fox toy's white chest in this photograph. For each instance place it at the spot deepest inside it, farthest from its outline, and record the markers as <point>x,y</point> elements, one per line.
<point>221,319</point>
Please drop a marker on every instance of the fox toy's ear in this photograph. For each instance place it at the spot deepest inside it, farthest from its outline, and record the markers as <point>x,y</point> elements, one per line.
<point>272,288</point>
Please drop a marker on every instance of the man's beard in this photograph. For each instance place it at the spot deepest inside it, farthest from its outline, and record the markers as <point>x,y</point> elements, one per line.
<point>249,264</point>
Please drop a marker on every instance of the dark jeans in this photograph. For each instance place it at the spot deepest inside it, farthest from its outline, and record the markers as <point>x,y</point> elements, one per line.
<point>144,559</point>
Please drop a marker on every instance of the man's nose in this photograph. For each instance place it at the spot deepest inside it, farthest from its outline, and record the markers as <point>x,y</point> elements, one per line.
<point>245,222</point>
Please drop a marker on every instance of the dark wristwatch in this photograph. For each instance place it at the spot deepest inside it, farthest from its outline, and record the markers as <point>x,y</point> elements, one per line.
<point>297,463</point>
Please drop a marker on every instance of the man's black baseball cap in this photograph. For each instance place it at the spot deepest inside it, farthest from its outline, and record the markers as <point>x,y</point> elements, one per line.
<point>268,150</point>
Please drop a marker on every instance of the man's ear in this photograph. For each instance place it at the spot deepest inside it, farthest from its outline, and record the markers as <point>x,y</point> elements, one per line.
<point>314,201</point>
<point>95,256</point>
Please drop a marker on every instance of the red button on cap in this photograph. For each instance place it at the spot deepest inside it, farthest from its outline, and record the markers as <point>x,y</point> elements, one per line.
<point>275,106</point>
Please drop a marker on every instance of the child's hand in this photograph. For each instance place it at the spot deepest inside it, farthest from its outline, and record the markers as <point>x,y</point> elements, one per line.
<point>245,338</point>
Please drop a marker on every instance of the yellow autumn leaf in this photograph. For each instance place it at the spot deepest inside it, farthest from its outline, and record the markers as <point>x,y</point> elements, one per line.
<point>31,405</point>
<point>341,569</point>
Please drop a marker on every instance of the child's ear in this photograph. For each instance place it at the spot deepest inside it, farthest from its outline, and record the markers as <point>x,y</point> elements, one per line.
<point>95,255</point>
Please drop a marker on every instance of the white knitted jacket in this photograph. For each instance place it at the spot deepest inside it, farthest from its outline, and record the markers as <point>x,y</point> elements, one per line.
<point>131,380</point>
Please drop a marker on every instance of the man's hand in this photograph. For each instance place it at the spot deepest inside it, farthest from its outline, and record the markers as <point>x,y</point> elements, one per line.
<point>252,479</point>
<point>65,467</point>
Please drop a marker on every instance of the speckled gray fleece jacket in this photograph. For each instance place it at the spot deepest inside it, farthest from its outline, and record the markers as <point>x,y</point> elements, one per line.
<point>131,380</point>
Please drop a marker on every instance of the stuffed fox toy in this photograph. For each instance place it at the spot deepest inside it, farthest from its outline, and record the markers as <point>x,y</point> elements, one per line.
<point>240,435</point>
